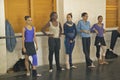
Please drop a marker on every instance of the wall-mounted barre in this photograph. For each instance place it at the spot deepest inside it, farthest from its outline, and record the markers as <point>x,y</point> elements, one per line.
<point>4,37</point>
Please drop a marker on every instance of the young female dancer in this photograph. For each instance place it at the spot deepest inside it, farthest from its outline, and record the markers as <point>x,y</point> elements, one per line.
<point>28,39</point>
<point>55,31</point>
<point>70,34</point>
<point>98,28</point>
<point>83,28</point>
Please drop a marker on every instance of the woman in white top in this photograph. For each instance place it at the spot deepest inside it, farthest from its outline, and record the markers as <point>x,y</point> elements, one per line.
<point>55,32</point>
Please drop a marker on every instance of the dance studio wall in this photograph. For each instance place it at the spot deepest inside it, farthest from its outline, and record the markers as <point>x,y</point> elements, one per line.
<point>92,7</point>
<point>3,59</point>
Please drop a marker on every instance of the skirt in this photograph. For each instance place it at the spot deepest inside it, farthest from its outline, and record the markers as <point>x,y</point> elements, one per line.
<point>30,48</point>
<point>100,41</point>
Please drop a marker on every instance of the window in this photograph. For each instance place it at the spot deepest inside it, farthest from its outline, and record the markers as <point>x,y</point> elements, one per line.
<point>111,13</point>
<point>39,10</point>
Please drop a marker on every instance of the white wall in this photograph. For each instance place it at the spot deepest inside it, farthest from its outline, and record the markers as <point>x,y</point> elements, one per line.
<point>92,7</point>
<point>60,10</point>
<point>2,18</point>
<point>3,58</point>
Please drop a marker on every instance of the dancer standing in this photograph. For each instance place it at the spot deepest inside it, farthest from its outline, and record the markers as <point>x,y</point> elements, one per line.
<point>28,39</point>
<point>54,40</point>
<point>70,34</point>
<point>98,28</point>
<point>83,28</point>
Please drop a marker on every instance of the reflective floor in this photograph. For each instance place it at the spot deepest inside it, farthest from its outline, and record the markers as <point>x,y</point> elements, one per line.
<point>101,72</point>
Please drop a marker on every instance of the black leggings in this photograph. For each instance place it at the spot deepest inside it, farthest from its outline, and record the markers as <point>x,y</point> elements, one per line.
<point>54,47</point>
<point>99,41</point>
<point>97,51</point>
<point>114,36</point>
<point>86,50</point>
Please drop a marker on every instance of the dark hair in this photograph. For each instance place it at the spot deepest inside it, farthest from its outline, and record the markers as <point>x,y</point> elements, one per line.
<point>99,16</point>
<point>26,17</point>
<point>52,14</point>
<point>83,14</point>
<point>70,14</point>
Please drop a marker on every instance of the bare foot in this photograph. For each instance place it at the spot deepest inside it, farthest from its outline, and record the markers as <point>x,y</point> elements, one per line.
<point>105,62</point>
<point>100,61</point>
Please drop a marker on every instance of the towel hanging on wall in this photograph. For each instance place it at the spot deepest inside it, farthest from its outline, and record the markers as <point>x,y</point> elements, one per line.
<point>10,37</point>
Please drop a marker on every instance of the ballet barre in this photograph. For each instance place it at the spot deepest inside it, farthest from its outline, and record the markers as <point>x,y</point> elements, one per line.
<point>4,37</point>
<point>19,36</point>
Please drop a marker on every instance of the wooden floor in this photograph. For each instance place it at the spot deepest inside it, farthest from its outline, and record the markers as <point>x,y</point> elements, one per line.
<point>101,72</point>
